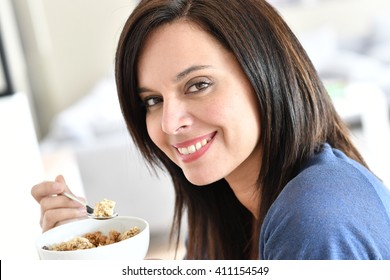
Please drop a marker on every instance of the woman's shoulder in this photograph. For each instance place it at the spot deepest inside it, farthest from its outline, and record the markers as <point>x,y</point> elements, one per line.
<point>331,200</point>
<point>332,178</point>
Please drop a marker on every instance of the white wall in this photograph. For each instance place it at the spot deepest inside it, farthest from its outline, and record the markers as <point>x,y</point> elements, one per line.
<point>348,17</point>
<point>69,45</point>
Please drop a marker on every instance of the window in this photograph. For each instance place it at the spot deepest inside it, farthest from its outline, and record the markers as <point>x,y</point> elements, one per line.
<point>5,80</point>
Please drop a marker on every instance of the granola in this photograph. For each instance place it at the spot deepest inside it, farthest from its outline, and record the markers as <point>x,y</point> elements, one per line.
<point>93,240</point>
<point>104,208</point>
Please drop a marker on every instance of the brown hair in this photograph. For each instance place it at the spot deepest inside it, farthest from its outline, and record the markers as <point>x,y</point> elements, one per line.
<point>296,115</point>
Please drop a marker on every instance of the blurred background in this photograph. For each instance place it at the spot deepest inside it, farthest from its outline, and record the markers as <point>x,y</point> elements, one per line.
<point>59,112</point>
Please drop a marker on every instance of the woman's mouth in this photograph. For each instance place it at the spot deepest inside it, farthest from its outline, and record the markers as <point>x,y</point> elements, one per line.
<point>193,149</point>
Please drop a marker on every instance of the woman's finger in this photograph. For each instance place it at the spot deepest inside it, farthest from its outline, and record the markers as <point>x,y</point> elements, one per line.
<point>49,188</point>
<point>43,189</point>
<point>58,201</point>
<point>53,217</point>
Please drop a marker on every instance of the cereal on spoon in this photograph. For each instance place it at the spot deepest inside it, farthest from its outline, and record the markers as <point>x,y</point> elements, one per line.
<point>104,208</point>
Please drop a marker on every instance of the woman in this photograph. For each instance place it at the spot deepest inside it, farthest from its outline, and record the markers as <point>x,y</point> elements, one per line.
<point>222,96</point>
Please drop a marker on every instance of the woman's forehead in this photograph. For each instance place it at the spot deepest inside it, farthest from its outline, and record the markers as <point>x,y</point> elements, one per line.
<point>176,46</point>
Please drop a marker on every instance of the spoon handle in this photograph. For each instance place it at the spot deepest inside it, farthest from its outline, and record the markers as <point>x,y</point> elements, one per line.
<point>72,197</point>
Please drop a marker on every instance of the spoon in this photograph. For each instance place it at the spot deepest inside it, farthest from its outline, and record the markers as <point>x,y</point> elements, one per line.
<point>89,208</point>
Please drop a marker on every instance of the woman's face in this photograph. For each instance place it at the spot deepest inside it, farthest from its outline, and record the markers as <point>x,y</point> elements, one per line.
<point>201,109</point>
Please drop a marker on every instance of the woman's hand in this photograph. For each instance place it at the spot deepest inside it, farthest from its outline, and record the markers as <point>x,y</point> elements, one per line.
<point>56,209</point>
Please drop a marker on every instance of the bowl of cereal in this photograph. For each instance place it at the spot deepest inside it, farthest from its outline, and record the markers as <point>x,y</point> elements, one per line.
<point>122,237</point>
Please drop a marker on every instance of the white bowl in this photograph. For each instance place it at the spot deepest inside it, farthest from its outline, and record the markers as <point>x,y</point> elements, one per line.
<point>134,248</point>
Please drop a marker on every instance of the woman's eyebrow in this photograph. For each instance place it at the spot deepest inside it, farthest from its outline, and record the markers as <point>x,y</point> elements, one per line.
<point>142,90</point>
<point>179,76</point>
<point>190,69</point>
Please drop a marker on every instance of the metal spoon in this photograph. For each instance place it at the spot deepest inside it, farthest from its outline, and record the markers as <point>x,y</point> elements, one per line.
<point>89,208</point>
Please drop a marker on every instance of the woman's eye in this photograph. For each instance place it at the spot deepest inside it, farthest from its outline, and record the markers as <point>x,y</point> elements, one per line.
<point>152,101</point>
<point>199,86</point>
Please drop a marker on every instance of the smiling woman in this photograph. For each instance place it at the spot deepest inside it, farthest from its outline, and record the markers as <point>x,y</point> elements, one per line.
<point>233,104</point>
<point>221,95</point>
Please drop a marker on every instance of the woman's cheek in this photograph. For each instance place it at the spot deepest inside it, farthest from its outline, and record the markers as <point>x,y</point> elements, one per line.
<point>153,125</point>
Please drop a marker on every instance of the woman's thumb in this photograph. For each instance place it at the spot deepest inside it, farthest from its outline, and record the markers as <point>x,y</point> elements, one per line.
<point>60,179</point>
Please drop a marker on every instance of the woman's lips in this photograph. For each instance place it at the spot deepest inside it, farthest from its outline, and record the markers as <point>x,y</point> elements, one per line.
<point>194,148</point>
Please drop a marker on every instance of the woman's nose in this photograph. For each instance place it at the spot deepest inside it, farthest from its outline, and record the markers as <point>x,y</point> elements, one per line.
<point>176,118</point>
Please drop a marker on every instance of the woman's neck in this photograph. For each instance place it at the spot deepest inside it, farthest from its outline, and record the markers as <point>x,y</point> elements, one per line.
<point>244,183</point>
<point>249,197</point>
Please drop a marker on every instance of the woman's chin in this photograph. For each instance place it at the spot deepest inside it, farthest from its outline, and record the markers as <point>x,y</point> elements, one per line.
<point>201,180</point>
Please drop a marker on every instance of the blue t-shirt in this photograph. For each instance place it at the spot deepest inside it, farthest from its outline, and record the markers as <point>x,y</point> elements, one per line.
<point>333,209</point>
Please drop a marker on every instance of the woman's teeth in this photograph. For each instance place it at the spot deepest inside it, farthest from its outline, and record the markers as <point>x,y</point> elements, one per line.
<point>193,148</point>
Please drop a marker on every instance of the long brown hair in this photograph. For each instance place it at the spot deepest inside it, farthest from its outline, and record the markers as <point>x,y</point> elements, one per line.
<point>296,115</point>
